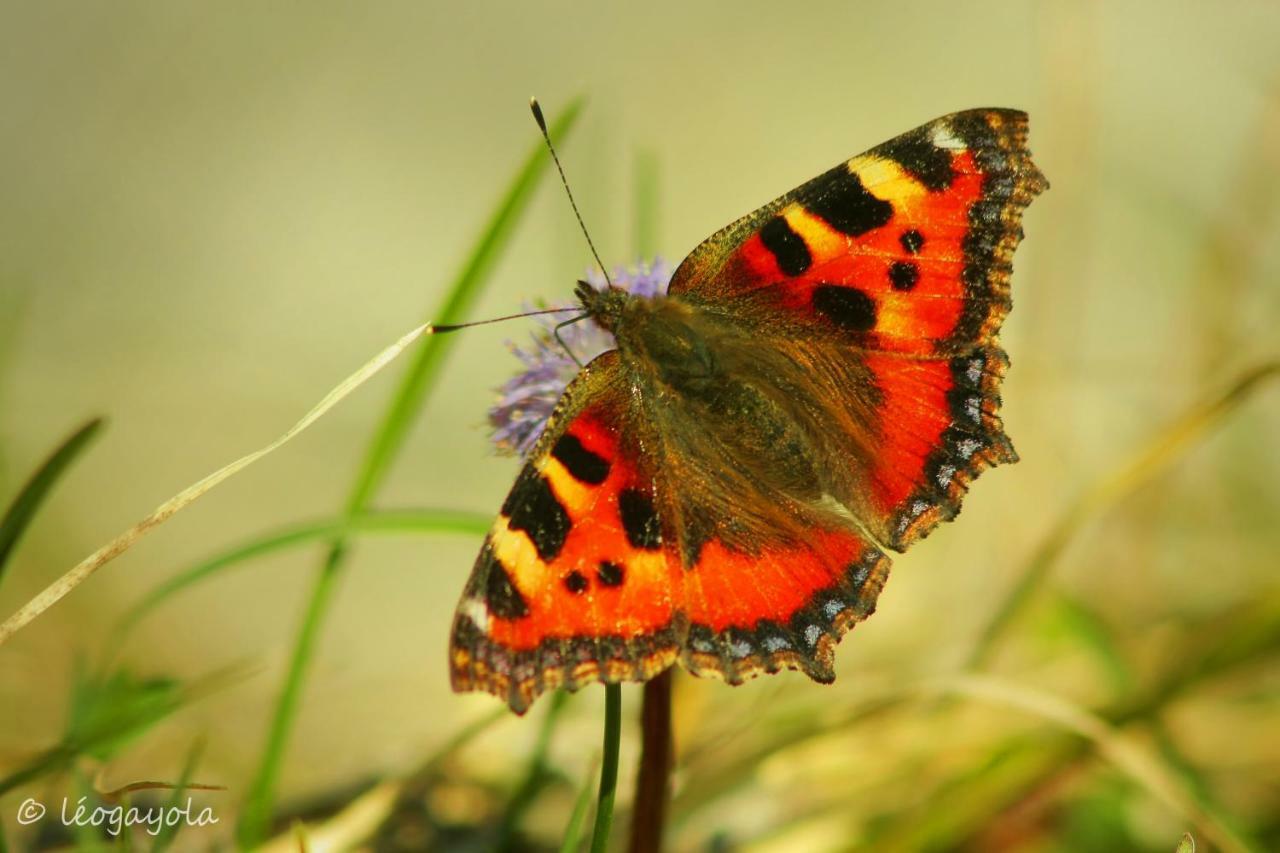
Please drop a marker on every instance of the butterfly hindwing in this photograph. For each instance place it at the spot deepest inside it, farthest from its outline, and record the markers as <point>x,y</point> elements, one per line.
<point>785,605</point>
<point>572,584</point>
<point>587,573</point>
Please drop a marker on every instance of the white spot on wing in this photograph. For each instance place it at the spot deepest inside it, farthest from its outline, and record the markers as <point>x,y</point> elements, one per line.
<point>812,634</point>
<point>477,611</point>
<point>945,473</point>
<point>944,138</point>
<point>974,371</point>
<point>973,409</point>
<point>968,447</point>
<point>739,648</point>
<point>832,608</point>
<point>776,644</point>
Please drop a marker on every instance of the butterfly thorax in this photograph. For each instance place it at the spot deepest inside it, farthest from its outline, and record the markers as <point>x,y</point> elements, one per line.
<point>730,413</point>
<point>663,336</point>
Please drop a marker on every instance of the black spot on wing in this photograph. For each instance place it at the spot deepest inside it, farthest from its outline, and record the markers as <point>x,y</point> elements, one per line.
<point>840,199</point>
<point>639,520</point>
<point>788,247</point>
<point>500,593</point>
<point>847,307</point>
<point>912,241</point>
<point>533,508</point>
<point>575,582</point>
<point>924,161</point>
<point>609,574</point>
<point>585,465</point>
<point>903,275</point>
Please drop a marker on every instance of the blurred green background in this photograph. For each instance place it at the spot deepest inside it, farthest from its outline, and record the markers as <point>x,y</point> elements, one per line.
<point>211,213</point>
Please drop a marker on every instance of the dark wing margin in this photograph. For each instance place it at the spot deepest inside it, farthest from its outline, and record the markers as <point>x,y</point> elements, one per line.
<point>570,586</point>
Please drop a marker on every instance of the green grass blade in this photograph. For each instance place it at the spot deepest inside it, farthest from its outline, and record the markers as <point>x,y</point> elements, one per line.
<point>608,768</point>
<point>578,818</point>
<point>417,382</point>
<point>87,838</point>
<point>422,373</point>
<point>380,522</point>
<point>644,181</point>
<point>108,714</point>
<point>1090,632</point>
<point>169,831</point>
<point>29,499</point>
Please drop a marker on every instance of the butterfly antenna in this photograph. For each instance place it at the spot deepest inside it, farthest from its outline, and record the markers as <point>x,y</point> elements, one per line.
<point>560,340</point>
<point>439,330</point>
<point>542,125</point>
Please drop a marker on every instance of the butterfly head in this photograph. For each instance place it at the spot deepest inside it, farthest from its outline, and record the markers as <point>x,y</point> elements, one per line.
<point>604,306</point>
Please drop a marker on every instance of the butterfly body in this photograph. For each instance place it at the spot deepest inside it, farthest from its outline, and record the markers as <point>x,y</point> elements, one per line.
<point>750,421</point>
<point>820,383</point>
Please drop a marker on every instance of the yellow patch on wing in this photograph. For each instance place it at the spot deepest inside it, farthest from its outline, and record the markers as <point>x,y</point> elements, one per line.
<point>889,180</point>
<point>822,240</point>
<point>574,495</point>
<point>517,553</point>
<point>896,315</point>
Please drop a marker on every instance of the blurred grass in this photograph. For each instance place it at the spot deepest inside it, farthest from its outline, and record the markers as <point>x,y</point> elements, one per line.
<point>22,510</point>
<point>1153,458</point>
<point>387,440</point>
<point>572,840</point>
<point>538,775</point>
<point>106,713</point>
<point>420,522</point>
<point>163,839</point>
<point>646,189</point>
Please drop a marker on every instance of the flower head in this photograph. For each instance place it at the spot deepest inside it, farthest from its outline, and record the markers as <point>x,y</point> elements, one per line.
<point>526,401</point>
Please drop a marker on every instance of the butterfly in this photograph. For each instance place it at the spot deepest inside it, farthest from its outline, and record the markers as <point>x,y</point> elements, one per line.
<point>819,384</point>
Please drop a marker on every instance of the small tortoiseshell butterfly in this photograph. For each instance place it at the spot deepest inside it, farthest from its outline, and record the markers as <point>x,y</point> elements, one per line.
<point>821,381</point>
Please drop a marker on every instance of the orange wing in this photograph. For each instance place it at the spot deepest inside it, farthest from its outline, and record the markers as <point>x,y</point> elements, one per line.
<point>580,579</point>
<point>572,584</point>
<point>902,257</point>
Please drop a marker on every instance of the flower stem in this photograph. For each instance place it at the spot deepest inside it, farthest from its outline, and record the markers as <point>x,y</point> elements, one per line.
<point>608,768</point>
<point>653,781</point>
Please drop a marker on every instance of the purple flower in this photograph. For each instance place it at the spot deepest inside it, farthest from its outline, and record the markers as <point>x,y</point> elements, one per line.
<point>526,400</point>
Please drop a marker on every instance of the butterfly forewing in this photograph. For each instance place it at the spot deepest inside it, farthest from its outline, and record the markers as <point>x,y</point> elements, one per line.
<point>900,258</point>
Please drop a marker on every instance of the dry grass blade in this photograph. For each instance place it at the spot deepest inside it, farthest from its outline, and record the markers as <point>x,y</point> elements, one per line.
<point>57,590</point>
<point>1109,741</point>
